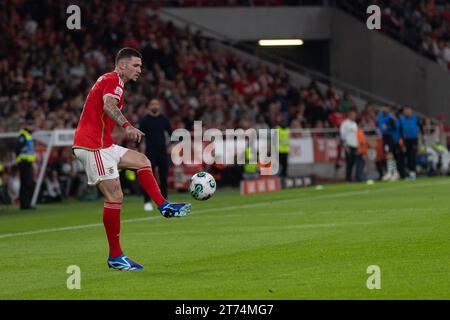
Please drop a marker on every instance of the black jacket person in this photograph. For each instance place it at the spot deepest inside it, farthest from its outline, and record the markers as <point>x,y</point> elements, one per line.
<point>156,128</point>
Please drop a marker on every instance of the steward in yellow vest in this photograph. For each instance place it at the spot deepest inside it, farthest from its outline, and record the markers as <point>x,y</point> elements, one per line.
<point>250,166</point>
<point>284,135</point>
<point>25,156</point>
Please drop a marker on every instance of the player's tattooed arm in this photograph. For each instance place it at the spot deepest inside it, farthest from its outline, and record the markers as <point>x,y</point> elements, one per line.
<point>110,107</point>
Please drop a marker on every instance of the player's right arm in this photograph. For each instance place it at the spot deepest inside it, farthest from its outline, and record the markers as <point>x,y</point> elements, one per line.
<point>110,107</point>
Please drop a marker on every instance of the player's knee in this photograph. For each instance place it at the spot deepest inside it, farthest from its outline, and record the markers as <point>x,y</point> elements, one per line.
<point>117,196</point>
<point>144,161</point>
<point>114,193</point>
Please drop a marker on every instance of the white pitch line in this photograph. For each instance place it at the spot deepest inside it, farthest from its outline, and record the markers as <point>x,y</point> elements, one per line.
<point>244,206</point>
<point>83,226</point>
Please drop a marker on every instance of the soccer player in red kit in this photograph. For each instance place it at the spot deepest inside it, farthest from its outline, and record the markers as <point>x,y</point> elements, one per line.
<point>101,159</point>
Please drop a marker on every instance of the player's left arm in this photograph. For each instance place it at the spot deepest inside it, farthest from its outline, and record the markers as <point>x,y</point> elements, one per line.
<point>110,107</point>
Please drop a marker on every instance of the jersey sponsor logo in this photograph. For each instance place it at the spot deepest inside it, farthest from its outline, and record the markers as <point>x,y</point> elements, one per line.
<point>118,91</point>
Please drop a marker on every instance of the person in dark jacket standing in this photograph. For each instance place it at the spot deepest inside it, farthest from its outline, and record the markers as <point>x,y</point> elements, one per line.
<point>157,130</point>
<point>25,156</point>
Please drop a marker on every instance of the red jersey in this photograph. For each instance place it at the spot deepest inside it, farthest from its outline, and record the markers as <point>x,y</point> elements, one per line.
<point>94,130</point>
<point>336,118</point>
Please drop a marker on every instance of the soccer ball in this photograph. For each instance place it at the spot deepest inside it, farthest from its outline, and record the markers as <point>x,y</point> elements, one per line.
<point>202,186</point>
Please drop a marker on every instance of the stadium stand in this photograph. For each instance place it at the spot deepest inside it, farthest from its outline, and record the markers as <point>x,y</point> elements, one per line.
<point>46,73</point>
<point>421,25</point>
<point>233,3</point>
<point>40,66</point>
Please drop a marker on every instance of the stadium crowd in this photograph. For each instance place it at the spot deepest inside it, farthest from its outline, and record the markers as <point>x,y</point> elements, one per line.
<point>232,3</point>
<point>46,71</point>
<point>423,25</point>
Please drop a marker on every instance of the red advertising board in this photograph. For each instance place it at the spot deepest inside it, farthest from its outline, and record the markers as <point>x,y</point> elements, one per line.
<point>326,149</point>
<point>261,185</point>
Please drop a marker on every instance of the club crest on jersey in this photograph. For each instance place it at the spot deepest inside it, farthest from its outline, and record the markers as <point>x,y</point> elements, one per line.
<point>118,91</point>
<point>110,170</point>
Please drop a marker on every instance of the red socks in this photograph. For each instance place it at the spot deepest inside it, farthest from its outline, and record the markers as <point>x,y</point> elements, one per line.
<point>148,183</point>
<point>111,210</point>
<point>111,221</point>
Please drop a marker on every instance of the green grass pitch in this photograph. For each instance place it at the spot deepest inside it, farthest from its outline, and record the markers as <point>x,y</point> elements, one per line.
<point>294,244</point>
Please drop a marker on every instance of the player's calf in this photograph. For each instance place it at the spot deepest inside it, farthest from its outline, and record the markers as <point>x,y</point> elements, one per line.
<point>148,182</point>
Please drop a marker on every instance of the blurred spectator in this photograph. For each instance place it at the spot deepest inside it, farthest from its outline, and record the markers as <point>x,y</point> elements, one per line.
<point>421,25</point>
<point>51,191</point>
<point>4,198</point>
<point>349,137</point>
<point>261,123</point>
<point>345,103</point>
<point>13,184</point>
<point>367,120</point>
<point>432,133</point>
<point>78,178</point>
<point>445,128</point>
<point>129,182</point>
<point>389,127</point>
<point>410,128</point>
<point>296,128</point>
<point>361,155</point>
